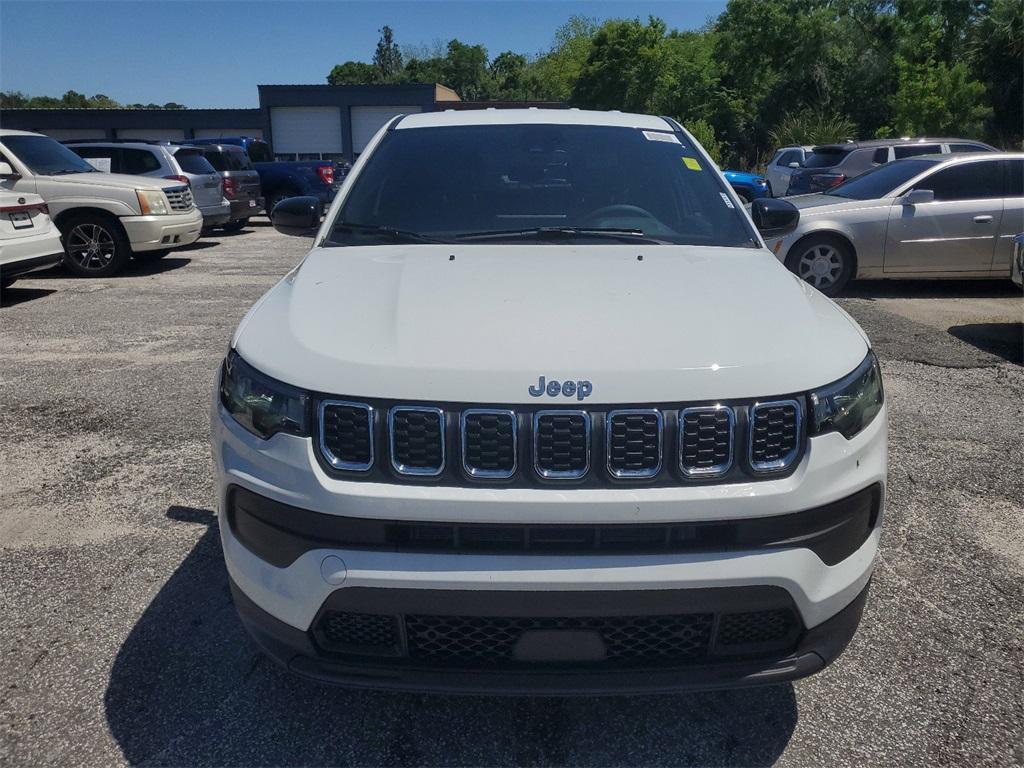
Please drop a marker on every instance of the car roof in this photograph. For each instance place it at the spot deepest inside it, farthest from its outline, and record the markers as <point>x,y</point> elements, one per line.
<point>12,132</point>
<point>458,117</point>
<point>117,144</point>
<point>849,146</point>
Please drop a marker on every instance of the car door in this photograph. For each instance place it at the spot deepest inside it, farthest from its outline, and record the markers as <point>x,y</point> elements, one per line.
<point>778,172</point>
<point>957,231</point>
<point>1012,223</point>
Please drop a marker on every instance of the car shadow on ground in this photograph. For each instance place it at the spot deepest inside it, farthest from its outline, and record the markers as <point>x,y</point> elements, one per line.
<point>187,687</point>
<point>930,289</point>
<point>11,297</point>
<point>1005,340</point>
<point>199,245</point>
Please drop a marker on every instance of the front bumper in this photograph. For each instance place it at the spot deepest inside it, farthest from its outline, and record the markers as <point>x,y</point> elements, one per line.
<point>805,651</point>
<point>290,595</point>
<point>243,209</point>
<point>151,233</point>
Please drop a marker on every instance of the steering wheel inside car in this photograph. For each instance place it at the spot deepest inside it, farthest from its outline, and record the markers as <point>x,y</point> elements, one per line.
<point>621,211</point>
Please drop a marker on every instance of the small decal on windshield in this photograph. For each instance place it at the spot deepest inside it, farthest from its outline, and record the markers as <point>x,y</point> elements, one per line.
<point>661,136</point>
<point>691,163</point>
<point>726,200</point>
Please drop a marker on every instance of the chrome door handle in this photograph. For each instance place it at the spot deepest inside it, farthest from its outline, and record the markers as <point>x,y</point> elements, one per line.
<point>982,219</point>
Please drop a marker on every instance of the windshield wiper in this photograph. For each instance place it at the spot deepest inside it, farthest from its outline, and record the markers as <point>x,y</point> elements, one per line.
<point>66,171</point>
<point>395,234</point>
<point>555,233</point>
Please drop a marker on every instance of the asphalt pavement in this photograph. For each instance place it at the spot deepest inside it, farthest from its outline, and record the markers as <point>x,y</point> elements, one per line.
<point>119,643</point>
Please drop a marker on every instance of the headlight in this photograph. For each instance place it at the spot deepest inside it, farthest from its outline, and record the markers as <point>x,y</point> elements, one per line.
<point>259,403</point>
<point>849,405</point>
<point>152,201</point>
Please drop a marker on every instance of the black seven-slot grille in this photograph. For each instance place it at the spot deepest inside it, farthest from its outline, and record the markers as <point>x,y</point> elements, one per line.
<point>690,444</point>
<point>482,641</point>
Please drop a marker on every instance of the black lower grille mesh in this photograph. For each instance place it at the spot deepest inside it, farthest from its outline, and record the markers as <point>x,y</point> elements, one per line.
<point>775,432</point>
<point>705,440</point>
<point>634,443</point>
<point>468,640</point>
<point>346,434</point>
<point>489,443</point>
<point>755,627</point>
<point>562,443</point>
<point>353,632</point>
<point>417,440</point>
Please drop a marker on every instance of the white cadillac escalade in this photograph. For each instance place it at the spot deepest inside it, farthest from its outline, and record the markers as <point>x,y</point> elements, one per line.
<point>539,412</point>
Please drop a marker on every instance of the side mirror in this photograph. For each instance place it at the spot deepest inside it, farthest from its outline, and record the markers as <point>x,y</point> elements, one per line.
<point>917,197</point>
<point>297,216</point>
<point>7,172</point>
<point>773,217</point>
<point>794,165</point>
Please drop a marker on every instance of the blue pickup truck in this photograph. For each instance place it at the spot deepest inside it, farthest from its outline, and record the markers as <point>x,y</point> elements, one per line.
<point>292,178</point>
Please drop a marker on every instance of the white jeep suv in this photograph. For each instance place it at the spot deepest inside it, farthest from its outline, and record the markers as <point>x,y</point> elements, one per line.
<point>104,218</point>
<point>539,412</point>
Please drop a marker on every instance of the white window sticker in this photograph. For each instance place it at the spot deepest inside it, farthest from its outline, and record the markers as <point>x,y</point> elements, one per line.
<point>99,163</point>
<point>726,200</point>
<point>661,136</point>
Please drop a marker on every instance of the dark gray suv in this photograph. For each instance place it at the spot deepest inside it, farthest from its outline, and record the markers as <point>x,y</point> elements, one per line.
<point>241,182</point>
<point>829,165</point>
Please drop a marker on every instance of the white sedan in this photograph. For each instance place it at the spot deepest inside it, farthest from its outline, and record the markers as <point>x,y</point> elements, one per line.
<point>28,239</point>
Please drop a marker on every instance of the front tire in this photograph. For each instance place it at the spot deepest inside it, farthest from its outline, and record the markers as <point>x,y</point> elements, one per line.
<point>745,197</point>
<point>94,245</point>
<point>824,261</point>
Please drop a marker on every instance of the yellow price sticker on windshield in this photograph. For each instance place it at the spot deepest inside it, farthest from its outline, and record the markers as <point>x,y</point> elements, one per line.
<point>691,163</point>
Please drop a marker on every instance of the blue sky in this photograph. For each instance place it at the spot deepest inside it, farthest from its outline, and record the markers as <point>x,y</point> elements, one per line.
<point>212,54</point>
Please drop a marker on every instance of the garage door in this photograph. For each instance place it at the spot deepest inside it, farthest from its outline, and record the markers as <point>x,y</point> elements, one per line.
<point>366,121</point>
<point>67,134</point>
<point>216,133</point>
<point>306,130</point>
<point>157,134</point>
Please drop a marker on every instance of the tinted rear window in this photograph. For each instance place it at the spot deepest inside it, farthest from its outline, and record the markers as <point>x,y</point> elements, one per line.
<point>259,152</point>
<point>881,181</point>
<point>193,162</point>
<point>228,159</point>
<point>825,158</point>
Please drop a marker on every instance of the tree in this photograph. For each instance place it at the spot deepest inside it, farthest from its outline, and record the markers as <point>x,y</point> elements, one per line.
<point>702,131</point>
<point>354,73</point>
<point>938,98</point>
<point>812,127</point>
<point>553,75</point>
<point>508,75</point>
<point>465,70</point>
<point>387,58</point>
<point>623,68</point>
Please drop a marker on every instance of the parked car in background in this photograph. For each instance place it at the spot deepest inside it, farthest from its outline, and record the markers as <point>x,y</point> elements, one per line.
<point>241,182</point>
<point>281,179</point>
<point>829,165</point>
<point>1017,267</point>
<point>28,239</point>
<point>934,216</point>
<point>780,168</point>
<point>104,218</point>
<point>166,161</point>
<point>749,186</point>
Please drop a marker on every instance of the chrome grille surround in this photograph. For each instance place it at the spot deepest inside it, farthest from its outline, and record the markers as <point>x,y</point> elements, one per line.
<point>179,198</point>
<point>333,460</point>
<point>405,469</point>
<point>492,474</point>
<point>609,424</point>
<point>783,462</point>
<point>555,474</point>
<point>714,470</point>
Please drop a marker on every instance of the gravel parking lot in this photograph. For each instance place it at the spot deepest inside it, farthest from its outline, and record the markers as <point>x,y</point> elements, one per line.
<point>119,643</point>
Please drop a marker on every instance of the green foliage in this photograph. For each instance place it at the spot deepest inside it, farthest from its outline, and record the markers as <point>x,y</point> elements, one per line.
<point>387,58</point>
<point>810,127</point>
<point>73,100</point>
<point>702,131</point>
<point>937,98</point>
<point>354,73</point>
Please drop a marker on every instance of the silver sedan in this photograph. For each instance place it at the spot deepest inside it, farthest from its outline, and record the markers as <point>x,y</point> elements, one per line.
<point>937,216</point>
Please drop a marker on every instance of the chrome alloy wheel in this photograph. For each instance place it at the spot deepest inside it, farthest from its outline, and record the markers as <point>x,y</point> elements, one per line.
<point>91,246</point>
<point>820,266</point>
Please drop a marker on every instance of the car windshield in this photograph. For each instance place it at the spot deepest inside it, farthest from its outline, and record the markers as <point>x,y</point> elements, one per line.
<point>882,181</point>
<point>229,159</point>
<point>562,183</point>
<point>193,162</point>
<point>46,157</point>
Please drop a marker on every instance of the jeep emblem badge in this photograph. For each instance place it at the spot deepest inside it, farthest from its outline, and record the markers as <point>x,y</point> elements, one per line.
<point>581,388</point>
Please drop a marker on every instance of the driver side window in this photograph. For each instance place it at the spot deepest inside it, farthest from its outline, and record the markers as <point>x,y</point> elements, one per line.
<point>967,181</point>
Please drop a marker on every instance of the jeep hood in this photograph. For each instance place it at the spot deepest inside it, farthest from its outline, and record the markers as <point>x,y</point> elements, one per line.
<point>481,324</point>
